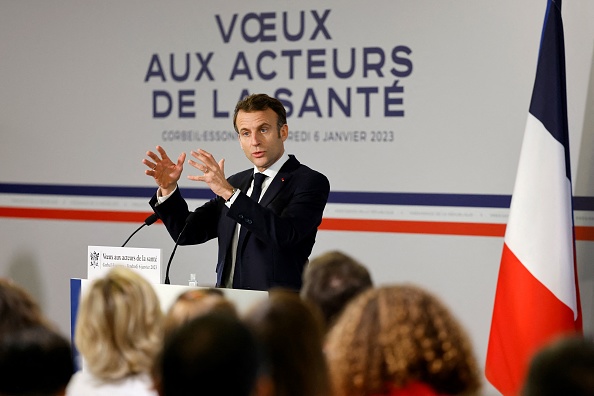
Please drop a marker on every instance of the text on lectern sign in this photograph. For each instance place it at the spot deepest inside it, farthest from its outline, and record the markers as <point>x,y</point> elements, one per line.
<point>146,261</point>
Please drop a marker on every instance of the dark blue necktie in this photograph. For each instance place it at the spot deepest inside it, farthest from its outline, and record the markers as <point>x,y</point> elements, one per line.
<point>257,190</point>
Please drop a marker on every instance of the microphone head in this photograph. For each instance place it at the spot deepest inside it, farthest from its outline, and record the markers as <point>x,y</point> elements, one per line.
<point>151,219</point>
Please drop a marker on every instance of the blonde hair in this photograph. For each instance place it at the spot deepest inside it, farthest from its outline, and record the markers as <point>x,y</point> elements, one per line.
<point>119,325</point>
<point>391,336</point>
<point>193,303</point>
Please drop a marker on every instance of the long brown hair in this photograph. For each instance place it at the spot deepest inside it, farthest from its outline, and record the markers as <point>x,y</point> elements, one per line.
<point>291,332</point>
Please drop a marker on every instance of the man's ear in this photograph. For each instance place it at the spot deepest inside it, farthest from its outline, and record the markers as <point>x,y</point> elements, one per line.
<point>284,132</point>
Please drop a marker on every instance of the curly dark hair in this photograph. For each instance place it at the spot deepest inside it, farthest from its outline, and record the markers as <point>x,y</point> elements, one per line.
<point>393,335</point>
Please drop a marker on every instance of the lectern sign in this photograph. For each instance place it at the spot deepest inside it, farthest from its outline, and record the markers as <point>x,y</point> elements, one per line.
<point>143,260</point>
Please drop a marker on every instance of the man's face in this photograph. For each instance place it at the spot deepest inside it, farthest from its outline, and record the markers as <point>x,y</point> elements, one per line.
<point>259,137</point>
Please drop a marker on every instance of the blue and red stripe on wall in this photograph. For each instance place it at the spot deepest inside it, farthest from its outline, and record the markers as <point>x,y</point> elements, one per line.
<point>329,223</point>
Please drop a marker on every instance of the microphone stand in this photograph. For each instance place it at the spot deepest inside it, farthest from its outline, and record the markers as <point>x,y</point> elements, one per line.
<point>189,220</point>
<point>147,222</point>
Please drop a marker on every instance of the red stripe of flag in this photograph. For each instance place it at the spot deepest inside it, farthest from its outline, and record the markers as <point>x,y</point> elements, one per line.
<point>526,317</point>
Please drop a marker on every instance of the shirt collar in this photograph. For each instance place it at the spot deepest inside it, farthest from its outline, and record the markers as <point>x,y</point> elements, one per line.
<point>273,169</point>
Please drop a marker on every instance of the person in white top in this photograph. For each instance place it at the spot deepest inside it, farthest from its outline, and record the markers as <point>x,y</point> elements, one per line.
<point>118,334</point>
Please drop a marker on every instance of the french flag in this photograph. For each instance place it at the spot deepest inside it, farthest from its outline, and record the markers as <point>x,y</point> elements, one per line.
<point>537,296</point>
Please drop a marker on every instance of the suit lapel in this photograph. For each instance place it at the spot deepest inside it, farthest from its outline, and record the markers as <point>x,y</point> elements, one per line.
<point>283,176</point>
<point>246,180</point>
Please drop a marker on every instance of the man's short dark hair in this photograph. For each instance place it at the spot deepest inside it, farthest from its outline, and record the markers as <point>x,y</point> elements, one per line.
<point>565,367</point>
<point>331,280</point>
<point>213,354</point>
<point>261,102</point>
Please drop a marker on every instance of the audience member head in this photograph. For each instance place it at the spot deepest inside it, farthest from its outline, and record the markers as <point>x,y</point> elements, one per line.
<point>212,354</point>
<point>400,337</point>
<point>193,303</point>
<point>564,367</point>
<point>331,280</point>
<point>18,309</point>
<point>119,326</point>
<point>291,333</point>
<point>35,361</point>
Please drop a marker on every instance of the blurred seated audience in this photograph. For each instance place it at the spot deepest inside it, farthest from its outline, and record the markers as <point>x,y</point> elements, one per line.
<point>564,367</point>
<point>331,280</point>
<point>400,340</point>
<point>35,361</point>
<point>291,332</point>
<point>118,333</point>
<point>195,302</point>
<point>212,354</point>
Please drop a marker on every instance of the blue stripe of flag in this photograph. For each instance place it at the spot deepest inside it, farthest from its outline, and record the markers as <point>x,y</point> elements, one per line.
<point>549,97</point>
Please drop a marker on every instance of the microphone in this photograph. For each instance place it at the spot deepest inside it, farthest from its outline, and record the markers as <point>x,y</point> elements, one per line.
<point>190,219</point>
<point>147,222</point>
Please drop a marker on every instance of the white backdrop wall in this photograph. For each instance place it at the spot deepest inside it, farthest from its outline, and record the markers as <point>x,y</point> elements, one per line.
<point>415,110</point>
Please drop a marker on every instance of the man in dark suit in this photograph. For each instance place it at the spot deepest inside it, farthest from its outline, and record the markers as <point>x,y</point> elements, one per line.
<point>264,241</point>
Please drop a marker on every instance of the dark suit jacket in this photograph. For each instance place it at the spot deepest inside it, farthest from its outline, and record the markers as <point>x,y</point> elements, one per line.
<point>282,227</point>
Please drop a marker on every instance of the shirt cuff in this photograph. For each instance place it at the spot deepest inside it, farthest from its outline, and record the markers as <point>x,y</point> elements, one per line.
<point>163,198</point>
<point>233,198</point>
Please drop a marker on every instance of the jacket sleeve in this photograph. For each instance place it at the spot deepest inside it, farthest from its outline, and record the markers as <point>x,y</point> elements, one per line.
<point>293,214</point>
<point>174,213</point>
